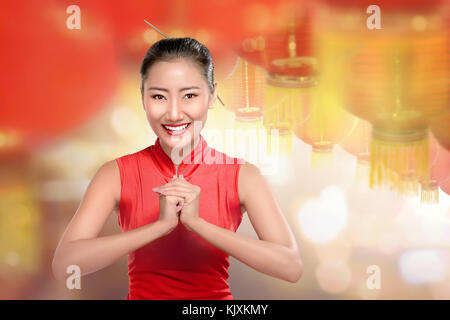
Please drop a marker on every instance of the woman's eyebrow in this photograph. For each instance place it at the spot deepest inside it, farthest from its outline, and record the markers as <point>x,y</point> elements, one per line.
<point>182,89</point>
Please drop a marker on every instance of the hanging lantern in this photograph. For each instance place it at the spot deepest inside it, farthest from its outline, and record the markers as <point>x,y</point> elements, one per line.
<point>285,54</point>
<point>322,121</point>
<point>244,91</point>
<point>393,83</point>
<point>297,99</point>
<point>390,87</point>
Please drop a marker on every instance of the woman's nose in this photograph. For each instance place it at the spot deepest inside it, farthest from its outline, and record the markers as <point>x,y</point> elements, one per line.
<point>174,112</point>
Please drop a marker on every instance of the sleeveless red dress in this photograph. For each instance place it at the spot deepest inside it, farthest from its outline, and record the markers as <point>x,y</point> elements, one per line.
<point>180,265</point>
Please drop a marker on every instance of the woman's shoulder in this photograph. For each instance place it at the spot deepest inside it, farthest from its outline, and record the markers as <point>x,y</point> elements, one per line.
<point>133,154</point>
<point>108,176</point>
<point>249,176</point>
<point>130,161</point>
<point>116,170</point>
<point>249,171</point>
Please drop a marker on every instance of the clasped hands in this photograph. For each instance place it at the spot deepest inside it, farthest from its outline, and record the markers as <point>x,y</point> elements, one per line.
<point>178,199</point>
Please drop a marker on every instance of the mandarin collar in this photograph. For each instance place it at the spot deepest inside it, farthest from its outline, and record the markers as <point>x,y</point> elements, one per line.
<point>188,165</point>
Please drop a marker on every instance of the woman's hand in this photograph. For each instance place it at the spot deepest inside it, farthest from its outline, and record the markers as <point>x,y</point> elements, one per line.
<point>169,208</point>
<point>190,194</point>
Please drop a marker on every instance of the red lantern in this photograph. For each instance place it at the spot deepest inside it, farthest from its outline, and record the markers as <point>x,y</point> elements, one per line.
<point>285,50</point>
<point>391,81</point>
<point>324,123</point>
<point>53,78</point>
<point>244,91</point>
<point>234,21</point>
<point>286,55</point>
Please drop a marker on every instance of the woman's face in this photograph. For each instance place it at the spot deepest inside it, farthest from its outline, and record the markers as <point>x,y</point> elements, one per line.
<point>175,93</point>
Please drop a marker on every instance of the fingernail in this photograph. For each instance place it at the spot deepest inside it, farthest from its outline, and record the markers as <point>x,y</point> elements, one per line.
<point>155,189</point>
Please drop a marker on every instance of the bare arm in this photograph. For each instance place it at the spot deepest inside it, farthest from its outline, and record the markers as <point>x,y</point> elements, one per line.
<point>276,252</point>
<point>80,245</point>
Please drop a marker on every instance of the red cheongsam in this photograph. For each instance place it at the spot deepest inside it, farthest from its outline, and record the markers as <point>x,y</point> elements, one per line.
<point>180,265</point>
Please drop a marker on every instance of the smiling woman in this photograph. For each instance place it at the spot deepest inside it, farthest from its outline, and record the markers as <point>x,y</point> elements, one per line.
<point>180,201</point>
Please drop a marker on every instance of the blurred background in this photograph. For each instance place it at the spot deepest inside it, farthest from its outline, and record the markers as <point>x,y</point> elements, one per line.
<point>348,121</point>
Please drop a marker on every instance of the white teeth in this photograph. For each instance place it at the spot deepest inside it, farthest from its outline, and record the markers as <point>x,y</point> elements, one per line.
<point>177,128</point>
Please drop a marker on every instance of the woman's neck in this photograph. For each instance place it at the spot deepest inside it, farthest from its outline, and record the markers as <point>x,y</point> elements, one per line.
<point>182,153</point>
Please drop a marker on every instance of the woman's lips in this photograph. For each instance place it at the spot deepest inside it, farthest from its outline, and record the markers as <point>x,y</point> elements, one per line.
<point>178,132</point>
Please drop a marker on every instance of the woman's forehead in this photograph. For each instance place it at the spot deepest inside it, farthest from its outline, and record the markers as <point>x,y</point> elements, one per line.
<point>174,75</point>
<point>175,64</point>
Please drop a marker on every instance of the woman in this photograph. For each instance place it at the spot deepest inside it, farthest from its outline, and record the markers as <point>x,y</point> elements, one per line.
<point>180,201</point>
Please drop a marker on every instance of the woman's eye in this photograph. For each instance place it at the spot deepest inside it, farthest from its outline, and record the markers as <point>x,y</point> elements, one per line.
<point>191,94</point>
<point>157,95</point>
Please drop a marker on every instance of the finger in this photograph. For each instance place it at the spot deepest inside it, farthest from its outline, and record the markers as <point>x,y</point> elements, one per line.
<point>175,197</point>
<point>160,193</point>
<point>174,179</point>
<point>177,186</point>
<point>177,189</point>
<point>178,201</point>
<point>180,193</point>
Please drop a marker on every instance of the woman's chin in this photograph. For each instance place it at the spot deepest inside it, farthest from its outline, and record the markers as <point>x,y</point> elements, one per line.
<point>175,140</point>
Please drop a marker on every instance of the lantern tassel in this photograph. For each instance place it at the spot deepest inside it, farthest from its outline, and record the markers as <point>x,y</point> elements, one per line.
<point>399,164</point>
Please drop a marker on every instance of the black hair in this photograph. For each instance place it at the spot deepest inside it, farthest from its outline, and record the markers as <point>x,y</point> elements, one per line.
<point>172,48</point>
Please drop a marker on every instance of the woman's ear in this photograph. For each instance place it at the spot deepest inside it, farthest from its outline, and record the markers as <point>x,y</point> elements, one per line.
<point>214,97</point>
<point>143,101</point>
<point>142,95</point>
